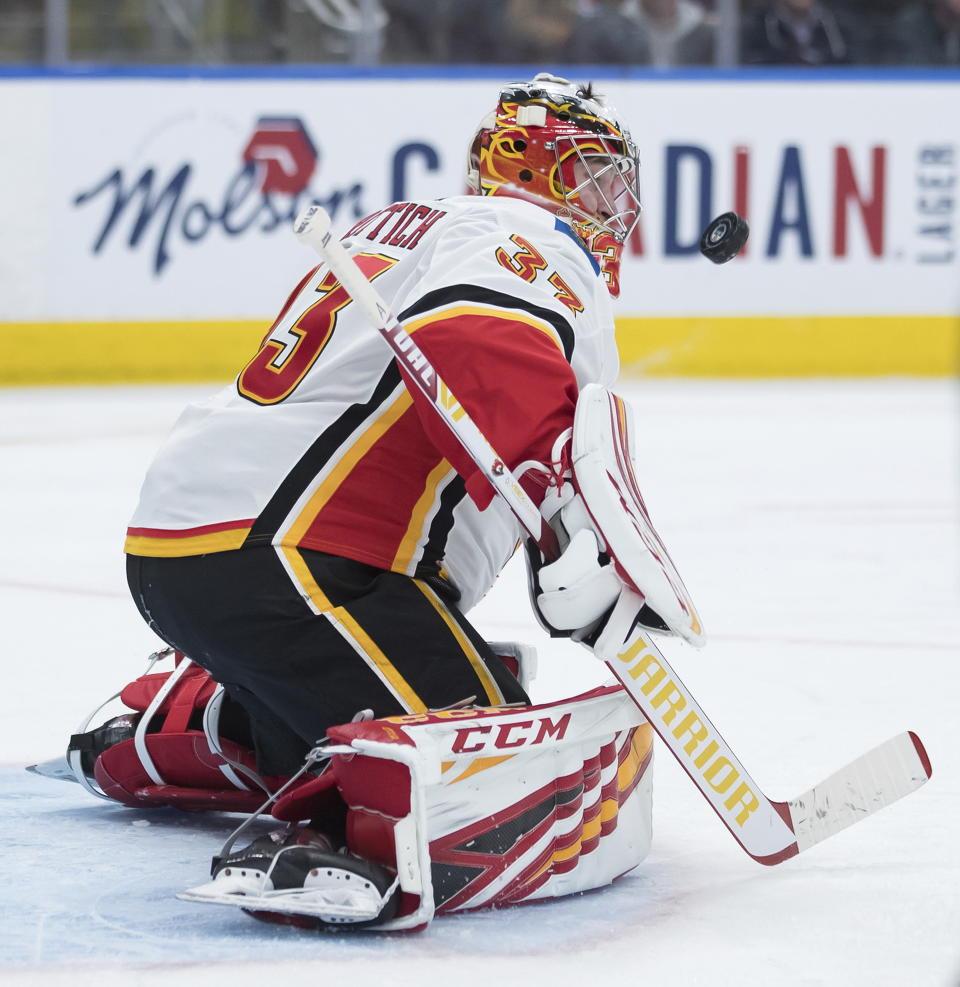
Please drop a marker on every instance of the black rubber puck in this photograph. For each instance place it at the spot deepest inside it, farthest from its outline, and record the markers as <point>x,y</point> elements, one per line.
<point>723,239</point>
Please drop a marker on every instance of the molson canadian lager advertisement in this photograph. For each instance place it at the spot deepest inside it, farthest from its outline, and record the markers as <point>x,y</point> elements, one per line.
<point>146,221</point>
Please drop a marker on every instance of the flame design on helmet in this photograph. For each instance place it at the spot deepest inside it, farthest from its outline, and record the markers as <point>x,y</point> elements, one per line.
<point>559,145</point>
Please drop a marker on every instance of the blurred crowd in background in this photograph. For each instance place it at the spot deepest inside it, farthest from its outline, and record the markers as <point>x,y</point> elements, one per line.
<point>659,33</point>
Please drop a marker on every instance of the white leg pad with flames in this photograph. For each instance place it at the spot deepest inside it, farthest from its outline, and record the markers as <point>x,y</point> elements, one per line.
<point>488,807</point>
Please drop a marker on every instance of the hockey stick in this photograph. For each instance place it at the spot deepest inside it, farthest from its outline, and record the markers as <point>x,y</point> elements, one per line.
<point>768,831</point>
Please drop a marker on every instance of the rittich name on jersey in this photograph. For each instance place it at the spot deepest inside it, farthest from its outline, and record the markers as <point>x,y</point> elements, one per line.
<point>404,215</point>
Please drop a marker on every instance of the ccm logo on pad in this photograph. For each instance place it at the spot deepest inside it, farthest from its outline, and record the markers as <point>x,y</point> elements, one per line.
<point>506,736</point>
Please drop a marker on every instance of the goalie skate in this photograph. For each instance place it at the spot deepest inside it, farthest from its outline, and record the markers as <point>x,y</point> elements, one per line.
<point>300,875</point>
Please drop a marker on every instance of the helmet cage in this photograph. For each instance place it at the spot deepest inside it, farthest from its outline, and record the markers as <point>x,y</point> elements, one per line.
<point>609,171</point>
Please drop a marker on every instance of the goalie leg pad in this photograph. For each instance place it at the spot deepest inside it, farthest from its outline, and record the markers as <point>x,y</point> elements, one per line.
<point>156,755</point>
<point>481,808</point>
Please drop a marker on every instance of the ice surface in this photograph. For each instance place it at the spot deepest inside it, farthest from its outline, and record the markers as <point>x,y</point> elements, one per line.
<point>815,524</point>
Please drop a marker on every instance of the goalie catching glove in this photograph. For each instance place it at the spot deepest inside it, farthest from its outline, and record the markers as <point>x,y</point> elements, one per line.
<point>613,571</point>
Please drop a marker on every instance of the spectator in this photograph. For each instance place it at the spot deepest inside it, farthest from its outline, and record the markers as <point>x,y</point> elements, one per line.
<point>476,32</point>
<point>931,33</point>
<point>604,34</point>
<point>872,30</point>
<point>794,32</point>
<point>417,30</point>
<point>678,32</point>
<point>537,31</point>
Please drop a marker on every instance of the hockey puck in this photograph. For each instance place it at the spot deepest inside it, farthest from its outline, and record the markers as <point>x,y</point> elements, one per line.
<point>723,239</point>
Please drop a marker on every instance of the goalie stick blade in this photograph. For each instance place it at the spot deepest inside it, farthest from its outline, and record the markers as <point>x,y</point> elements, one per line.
<point>770,832</point>
<point>870,783</point>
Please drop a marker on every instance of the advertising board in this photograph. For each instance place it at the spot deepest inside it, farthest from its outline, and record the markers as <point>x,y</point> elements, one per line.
<point>152,215</point>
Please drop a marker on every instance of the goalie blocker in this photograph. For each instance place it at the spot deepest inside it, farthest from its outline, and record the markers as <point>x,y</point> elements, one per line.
<point>433,813</point>
<point>614,570</point>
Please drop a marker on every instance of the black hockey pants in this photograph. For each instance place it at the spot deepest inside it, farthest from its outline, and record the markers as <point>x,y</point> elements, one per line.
<point>303,656</point>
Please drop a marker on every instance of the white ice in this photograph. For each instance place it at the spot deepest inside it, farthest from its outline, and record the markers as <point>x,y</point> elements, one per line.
<point>815,524</point>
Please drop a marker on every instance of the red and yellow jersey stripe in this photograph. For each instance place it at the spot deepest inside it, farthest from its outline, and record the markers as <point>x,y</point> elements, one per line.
<point>179,542</point>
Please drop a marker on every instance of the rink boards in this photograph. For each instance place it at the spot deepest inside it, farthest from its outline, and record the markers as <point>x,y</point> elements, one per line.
<point>146,218</point>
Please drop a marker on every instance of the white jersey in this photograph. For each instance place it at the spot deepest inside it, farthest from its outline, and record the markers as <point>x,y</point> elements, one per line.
<point>318,444</point>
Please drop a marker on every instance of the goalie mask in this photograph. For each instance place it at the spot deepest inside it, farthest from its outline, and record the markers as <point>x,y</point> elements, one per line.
<point>557,144</point>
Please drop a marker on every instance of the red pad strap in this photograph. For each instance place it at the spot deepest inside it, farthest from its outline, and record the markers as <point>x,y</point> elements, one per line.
<point>370,835</point>
<point>377,793</point>
<point>309,799</point>
<point>182,701</point>
<point>141,692</point>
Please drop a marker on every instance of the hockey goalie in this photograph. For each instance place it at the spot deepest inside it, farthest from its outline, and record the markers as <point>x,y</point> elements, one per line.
<point>309,540</point>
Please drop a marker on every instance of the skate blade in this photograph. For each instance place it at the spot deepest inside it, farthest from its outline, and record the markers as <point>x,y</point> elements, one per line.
<point>316,904</point>
<point>334,905</point>
<point>56,768</point>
